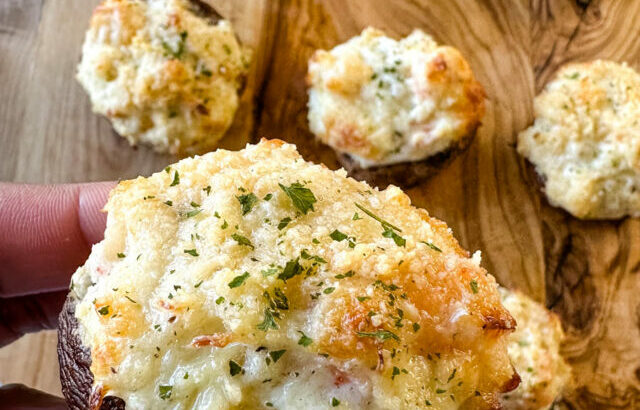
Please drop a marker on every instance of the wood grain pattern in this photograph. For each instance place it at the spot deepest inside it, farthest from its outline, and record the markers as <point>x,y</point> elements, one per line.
<point>586,271</point>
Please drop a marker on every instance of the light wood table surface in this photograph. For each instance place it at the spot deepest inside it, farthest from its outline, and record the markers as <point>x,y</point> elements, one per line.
<point>585,271</point>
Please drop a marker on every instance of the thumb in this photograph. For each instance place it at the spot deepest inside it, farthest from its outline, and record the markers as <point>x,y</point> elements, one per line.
<point>46,232</point>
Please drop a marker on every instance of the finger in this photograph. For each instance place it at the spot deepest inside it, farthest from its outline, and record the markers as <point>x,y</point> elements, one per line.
<point>21,397</point>
<point>23,314</point>
<point>46,232</point>
<point>91,200</point>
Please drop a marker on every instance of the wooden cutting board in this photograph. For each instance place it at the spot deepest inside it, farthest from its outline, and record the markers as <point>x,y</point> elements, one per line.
<point>587,272</point>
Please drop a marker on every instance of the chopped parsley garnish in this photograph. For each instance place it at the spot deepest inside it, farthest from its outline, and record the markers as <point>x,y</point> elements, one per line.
<point>224,225</point>
<point>283,223</point>
<point>432,246</point>
<point>197,285</point>
<point>440,391</point>
<point>238,280</point>
<point>121,255</point>
<point>269,272</point>
<point>328,290</point>
<point>220,300</point>
<point>276,355</point>
<point>130,300</point>
<point>389,229</point>
<point>336,235</point>
<point>389,233</point>
<point>389,288</point>
<point>335,402</point>
<point>169,203</point>
<point>395,372</point>
<point>104,310</point>
<point>179,50</point>
<point>302,197</point>
<point>363,298</point>
<point>573,76</point>
<point>207,189</point>
<point>380,334</point>
<point>314,240</point>
<point>291,269</point>
<point>242,240</point>
<point>165,391</point>
<point>269,321</point>
<point>356,217</point>
<point>304,339</point>
<point>268,197</point>
<point>191,252</point>
<point>306,255</point>
<point>452,375</point>
<point>193,213</point>
<point>247,202</point>
<point>186,375</point>
<point>176,179</point>
<point>377,218</point>
<point>279,300</point>
<point>344,275</point>
<point>234,368</point>
<point>474,286</point>
<point>416,327</point>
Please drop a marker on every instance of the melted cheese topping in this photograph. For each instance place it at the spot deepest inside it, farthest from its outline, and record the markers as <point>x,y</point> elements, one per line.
<point>383,101</point>
<point>162,74</point>
<point>534,349</point>
<point>240,256</point>
<point>585,141</point>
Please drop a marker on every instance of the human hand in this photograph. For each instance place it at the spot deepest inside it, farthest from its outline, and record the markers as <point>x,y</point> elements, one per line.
<point>46,232</point>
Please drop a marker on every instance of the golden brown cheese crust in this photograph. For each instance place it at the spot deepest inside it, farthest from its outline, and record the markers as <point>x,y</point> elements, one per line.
<point>584,142</point>
<point>164,74</point>
<point>382,101</point>
<point>233,256</point>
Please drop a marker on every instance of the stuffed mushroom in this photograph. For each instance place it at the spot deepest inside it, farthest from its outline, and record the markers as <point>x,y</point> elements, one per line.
<point>254,279</point>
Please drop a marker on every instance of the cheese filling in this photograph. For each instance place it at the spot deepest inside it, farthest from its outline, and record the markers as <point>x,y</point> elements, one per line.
<point>383,101</point>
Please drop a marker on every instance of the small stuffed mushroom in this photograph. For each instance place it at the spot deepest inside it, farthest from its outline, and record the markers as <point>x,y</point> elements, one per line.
<point>166,73</point>
<point>534,349</point>
<point>394,111</point>
<point>584,143</point>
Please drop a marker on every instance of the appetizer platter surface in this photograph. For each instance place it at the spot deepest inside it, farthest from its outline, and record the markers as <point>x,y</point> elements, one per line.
<point>438,98</point>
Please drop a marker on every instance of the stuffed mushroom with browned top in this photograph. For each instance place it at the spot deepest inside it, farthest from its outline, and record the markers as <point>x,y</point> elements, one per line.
<point>395,111</point>
<point>254,279</point>
<point>584,143</point>
<point>166,73</point>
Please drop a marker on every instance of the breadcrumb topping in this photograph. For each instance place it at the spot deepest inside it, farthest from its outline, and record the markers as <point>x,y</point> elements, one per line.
<point>249,277</point>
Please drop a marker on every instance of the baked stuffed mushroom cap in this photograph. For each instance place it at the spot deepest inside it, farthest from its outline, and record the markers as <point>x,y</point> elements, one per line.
<point>388,106</point>
<point>253,279</point>
<point>585,140</point>
<point>165,72</point>
<point>534,349</point>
